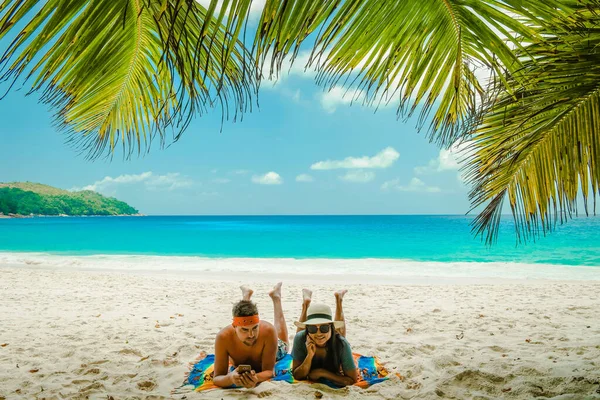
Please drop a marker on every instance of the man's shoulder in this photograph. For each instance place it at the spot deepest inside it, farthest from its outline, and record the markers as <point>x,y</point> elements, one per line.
<point>225,333</point>
<point>266,326</point>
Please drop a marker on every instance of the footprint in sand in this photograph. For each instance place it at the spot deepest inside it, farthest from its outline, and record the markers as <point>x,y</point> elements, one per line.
<point>146,385</point>
<point>93,371</point>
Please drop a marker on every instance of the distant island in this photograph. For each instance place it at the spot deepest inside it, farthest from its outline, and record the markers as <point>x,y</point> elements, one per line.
<point>20,199</point>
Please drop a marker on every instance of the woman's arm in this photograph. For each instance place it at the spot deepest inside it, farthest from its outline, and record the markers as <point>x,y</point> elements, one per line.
<point>342,380</point>
<point>301,370</point>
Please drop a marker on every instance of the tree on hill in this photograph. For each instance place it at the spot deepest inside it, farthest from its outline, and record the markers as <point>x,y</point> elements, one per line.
<point>17,201</point>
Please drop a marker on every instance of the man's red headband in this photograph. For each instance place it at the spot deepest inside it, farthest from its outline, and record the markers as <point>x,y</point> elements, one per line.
<point>246,321</point>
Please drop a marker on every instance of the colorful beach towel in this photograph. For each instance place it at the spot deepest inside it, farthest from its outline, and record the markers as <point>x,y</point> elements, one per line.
<point>202,371</point>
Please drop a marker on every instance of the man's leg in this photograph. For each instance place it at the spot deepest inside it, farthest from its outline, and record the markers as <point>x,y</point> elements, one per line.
<point>246,292</point>
<point>339,311</point>
<point>279,319</point>
<point>306,299</point>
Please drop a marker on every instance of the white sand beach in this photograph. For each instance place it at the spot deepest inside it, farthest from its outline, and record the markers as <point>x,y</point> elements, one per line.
<point>71,332</point>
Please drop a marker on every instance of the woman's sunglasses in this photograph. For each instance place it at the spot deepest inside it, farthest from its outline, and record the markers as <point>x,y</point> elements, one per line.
<point>314,328</point>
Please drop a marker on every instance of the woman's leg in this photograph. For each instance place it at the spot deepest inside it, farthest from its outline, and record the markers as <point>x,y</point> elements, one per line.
<point>279,319</point>
<point>306,299</point>
<point>339,311</point>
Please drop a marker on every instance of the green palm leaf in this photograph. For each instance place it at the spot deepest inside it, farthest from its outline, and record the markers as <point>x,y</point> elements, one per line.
<point>124,71</point>
<point>539,145</point>
<point>418,52</point>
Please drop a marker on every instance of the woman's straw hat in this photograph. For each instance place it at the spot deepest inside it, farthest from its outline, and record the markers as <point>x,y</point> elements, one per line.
<point>319,314</point>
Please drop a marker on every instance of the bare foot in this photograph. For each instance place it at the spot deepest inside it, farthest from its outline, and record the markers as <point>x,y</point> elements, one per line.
<point>246,292</point>
<point>275,293</point>
<point>339,295</point>
<point>306,296</point>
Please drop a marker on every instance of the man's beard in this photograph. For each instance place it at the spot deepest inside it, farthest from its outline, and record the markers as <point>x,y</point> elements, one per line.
<point>249,342</point>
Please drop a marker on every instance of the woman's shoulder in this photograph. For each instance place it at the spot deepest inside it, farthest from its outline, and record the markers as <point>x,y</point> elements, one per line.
<point>300,336</point>
<point>344,341</point>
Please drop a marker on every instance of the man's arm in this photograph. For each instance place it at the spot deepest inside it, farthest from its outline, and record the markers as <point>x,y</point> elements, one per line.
<point>221,376</point>
<point>268,356</point>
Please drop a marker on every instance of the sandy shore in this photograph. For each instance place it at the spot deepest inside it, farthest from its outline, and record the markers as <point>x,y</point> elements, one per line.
<point>79,334</point>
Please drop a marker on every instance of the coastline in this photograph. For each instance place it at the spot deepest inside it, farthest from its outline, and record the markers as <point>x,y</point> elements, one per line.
<point>351,270</point>
<point>76,332</point>
<point>18,216</point>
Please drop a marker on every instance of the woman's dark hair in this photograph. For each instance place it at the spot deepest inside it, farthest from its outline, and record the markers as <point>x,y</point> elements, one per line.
<point>335,347</point>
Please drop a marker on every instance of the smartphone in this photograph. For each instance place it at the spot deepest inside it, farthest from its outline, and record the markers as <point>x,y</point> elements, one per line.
<point>244,368</point>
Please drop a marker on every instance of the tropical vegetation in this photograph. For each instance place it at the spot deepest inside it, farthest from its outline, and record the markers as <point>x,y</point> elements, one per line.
<point>125,72</point>
<point>30,198</point>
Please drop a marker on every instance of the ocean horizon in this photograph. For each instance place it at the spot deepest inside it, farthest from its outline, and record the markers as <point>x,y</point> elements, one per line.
<point>419,238</point>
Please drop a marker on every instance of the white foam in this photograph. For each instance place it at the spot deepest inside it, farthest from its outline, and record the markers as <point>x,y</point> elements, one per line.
<point>376,269</point>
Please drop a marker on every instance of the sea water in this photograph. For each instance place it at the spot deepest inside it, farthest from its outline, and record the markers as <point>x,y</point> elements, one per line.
<point>419,238</point>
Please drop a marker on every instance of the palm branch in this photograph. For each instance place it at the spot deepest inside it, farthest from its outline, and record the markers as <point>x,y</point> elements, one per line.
<point>123,71</point>
<point>539,142</point>
<point>410,52</point>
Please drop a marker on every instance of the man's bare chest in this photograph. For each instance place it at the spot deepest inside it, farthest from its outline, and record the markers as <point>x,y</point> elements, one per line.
<point>251,355</point>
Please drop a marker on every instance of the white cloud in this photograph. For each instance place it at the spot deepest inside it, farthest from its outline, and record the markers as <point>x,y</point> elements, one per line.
<point>170,181</point>
<point>384,159</point>
<point>221,180</point>
<point>358,176</point>
<point>338,96</point>
<point>256,7</point>
<point>415,185</point>
<point>296,96</point>
<point>270,178</point>
<point>298,68</point>
<point>121,179</point>
<point>447,160</point>
<point>304,178</point>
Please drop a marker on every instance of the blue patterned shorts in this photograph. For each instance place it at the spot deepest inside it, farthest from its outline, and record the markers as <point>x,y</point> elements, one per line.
<point>282,349</point>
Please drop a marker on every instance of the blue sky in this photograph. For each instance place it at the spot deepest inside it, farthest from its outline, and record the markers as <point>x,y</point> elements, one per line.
<point>305,151</point>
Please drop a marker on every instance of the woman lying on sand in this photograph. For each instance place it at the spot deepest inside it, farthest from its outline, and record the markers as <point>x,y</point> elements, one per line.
<point>320,349</point>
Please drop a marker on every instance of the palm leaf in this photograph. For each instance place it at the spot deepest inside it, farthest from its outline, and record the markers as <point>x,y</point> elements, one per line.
<point>420,52</point>
<point>124,71</point>
<point>540,145</point>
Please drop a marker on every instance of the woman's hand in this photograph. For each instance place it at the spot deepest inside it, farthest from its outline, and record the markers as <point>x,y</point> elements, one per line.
<point>311,347</point>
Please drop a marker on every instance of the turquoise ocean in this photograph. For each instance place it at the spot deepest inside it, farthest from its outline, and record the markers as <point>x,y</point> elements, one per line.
<point>420,238</point>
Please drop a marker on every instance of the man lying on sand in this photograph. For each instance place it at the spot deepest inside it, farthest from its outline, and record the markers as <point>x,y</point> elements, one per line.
<point>250,341</point>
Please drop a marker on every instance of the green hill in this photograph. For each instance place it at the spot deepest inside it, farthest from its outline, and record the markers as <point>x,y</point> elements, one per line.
<point>26,198</point>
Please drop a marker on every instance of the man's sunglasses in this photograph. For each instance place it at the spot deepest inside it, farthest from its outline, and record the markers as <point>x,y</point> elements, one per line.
<point>314,328</point>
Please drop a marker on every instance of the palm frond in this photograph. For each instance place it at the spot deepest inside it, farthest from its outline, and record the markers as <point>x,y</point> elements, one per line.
<point>124,71</point>
<point>539,145</point>
<point>419,52</point>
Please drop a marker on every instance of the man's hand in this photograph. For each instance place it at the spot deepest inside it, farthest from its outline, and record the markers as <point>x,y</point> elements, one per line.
<point>249,379</point>
<point>236,378</point>
<point>311,347</point>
